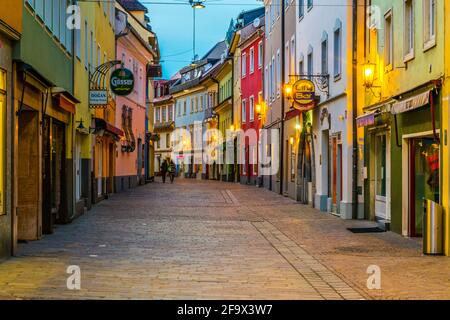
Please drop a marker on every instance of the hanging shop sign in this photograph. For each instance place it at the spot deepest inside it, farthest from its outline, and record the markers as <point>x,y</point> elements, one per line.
<point>303,93</point>
<point>98,97</point>
<point>122,82</point>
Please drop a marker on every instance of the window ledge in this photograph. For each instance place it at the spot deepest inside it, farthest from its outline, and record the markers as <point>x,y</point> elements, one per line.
<point>408,57</point>
<point>388,68</point>
<point>337,77</point>
<point>429,45</point>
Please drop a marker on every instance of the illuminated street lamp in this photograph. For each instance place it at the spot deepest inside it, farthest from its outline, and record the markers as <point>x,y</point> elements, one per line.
<point>198,4</point>
<point>288,90</point>
<point>369,74</point>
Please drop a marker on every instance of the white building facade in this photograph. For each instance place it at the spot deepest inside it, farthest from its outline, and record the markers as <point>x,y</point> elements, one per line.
<point>323,52</point>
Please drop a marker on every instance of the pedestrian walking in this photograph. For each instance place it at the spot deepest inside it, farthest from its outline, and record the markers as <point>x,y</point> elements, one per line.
<point>171,171</point>
<point>164,168</point>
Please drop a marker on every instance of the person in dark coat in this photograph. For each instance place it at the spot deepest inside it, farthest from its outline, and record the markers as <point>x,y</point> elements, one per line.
<point>171,170</point>
<point>164,168</point>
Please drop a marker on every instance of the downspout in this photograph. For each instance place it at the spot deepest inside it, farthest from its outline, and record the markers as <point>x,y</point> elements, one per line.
<point>283,75</point>
<point>354,113</point>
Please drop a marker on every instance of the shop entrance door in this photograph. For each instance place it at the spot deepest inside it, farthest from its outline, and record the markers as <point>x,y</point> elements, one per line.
<point>381,176</point>
<point>337,174</point>
<point>424,180</point>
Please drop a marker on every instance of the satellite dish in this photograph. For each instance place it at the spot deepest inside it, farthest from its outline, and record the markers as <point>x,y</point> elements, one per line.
<point>121,22</point>
<point>256,22</point>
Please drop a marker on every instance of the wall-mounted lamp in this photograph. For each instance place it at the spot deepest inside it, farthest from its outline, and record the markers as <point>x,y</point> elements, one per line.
<point>298,127</point>
<point>369,74</point>
<point>291,141</point>
<point>258,109</point>
<point>288,90</point>
<point>81,127</point>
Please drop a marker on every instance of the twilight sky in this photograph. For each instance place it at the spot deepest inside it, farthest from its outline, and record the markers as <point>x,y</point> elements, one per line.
<point>173,26</point>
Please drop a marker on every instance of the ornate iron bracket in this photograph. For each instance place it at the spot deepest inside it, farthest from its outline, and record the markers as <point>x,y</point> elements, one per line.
<point>321,81</point>
<point>97,79</point>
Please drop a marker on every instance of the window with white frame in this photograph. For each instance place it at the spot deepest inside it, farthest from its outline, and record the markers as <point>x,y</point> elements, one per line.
<point>86,47</point>
<point>278,84</point>
<point>429,23</point>
<point>277,5</point>
<point>301,8</point>
<point>244,111</point>
<point>266,84</point>
<point>260,54</point>
<point>292,57</point>
<point>337,39</point>
<point>310,63</point>
<point>301,65</point>
<point>157,115</point>
<point>78,43</point>
<point>388,39</point>
<point>408,41</point>
<point>251,108</point>
<point>244,65</point>
<point>324,53</point>
<point>252,60</point>
<point>287,62</point>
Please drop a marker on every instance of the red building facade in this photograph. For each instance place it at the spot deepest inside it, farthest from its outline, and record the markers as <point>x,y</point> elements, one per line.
<point>252,59</point>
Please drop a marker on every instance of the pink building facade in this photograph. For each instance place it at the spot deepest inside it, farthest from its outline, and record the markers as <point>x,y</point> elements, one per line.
<point>133,51</point>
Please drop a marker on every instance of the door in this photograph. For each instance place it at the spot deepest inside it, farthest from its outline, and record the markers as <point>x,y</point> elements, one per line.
<point>336,174</point>
<point>57,170</point>
<point>99,168</point>
<point>381,171</point>
<point>425,180</point>
<point>139,160</point>
<point>29,219</point>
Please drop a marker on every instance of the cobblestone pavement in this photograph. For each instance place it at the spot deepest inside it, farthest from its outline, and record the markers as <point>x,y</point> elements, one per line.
<point>212,240</point>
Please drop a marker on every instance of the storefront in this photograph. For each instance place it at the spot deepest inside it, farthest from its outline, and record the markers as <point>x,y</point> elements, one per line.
<point>402,159</point>
<point>378,149</point>
<point>105,138</point>
<point>5,147</point>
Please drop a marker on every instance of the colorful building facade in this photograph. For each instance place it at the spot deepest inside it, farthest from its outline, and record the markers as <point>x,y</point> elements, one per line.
<point>251,45</point>
<point>45,106</point>
<point>404,141</point>
<point>136,54</point>
<point>10,33</point>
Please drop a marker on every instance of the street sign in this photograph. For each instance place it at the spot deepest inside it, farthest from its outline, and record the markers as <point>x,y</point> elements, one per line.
<point>98,97</point>
<point>303,92</point>
<point>122,82</point>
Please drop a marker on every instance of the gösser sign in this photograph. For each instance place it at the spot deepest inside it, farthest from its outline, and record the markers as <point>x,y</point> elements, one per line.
<point>122,82</point>
<point>98,97</point>
<point>303,92</point>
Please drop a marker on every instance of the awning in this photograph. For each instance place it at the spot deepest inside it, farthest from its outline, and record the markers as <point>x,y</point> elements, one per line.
<point>365,120</point>
<point>411,103</point>
<point>102,124</point>
<point>66,104</point>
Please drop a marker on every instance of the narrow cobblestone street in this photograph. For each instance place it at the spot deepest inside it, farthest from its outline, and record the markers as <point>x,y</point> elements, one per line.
<point>211,240</point>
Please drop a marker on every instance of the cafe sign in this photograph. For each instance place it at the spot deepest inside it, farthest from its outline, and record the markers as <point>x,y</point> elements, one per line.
<point>122,82</point>
<point>303,93</point>
<point>98,97</point>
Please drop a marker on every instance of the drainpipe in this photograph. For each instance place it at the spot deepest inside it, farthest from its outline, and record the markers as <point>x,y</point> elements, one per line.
<point>354,102</point>
<point>283,75</point>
